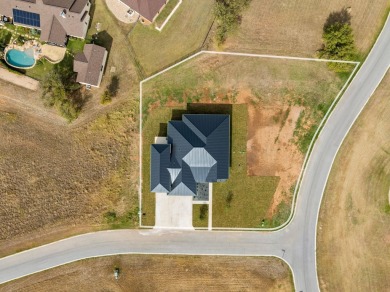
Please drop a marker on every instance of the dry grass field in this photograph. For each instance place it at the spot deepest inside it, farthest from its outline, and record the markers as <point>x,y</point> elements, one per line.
<point>295,27</point>
<point>162,273</point>
<point>353,241</point>
<point>59,179</point>
<point>56,178</point>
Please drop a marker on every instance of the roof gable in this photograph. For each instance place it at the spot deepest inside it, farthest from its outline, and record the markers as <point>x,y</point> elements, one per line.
<point>200,153</point>
<point>160,178</point>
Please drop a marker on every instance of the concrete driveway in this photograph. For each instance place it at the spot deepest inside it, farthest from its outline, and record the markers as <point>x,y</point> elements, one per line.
<point>173,211</point>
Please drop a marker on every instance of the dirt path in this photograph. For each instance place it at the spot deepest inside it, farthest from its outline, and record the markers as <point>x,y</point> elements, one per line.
<point>19,80</point>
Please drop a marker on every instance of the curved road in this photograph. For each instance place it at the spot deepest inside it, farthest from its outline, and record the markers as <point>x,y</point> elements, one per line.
<point>296,243</point>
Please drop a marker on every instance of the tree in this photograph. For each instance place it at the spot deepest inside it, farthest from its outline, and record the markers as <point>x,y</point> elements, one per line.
<point>106,97</point>
<point>59,89</point>
<point>228,16</point>
<point>5,37</point>
<point>338,40</point>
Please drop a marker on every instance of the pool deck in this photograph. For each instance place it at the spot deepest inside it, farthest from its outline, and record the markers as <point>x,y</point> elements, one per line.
<point>51,53</point>
<point>19,80</point>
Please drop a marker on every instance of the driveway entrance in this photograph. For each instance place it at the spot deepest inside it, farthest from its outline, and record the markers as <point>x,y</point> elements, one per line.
<point>173,211</point>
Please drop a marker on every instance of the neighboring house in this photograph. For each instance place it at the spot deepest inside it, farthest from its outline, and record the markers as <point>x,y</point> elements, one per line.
<point>90,64</point>
<point>198,151</point>
<point>147,9</point>
<point>56,19</point>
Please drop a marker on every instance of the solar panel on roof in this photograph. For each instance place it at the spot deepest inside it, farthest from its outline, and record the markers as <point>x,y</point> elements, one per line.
<point>27,18</point>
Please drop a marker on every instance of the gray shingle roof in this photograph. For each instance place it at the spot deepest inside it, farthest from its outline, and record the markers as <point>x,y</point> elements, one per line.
<point>200,153</point>
<point>159,175</point>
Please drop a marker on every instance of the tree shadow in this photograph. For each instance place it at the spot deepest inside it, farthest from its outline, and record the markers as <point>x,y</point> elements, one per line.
<point>103,39</point>
<point>113,87</point>
<point>338,18</point>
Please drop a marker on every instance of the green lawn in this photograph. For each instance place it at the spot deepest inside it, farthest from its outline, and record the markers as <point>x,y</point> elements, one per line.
<point>75,45</point>
<point>165,12</point>
<point>200,215</point>
<point>183,34</point>
<point>41,68</point>
<point>243,200</point>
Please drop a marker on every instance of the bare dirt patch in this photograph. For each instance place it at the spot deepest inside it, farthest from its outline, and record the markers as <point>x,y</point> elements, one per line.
<point>353,246</point>
<point>271,150</point>
<point>162,273</point>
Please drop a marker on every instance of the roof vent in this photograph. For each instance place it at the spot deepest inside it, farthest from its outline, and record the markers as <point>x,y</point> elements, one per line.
<point>63,13</point>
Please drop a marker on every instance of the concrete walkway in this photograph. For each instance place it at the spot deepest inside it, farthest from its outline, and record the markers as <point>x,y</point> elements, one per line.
<point>19,80</point>
<point>119,10</point>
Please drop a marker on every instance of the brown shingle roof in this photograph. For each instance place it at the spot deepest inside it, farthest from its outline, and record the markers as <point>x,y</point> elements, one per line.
<point>73,21</point>
<point>147,8</point>
<point>57,33</point>
<point>88,64</point>
<point>59,3</point>
<point>78,6</point>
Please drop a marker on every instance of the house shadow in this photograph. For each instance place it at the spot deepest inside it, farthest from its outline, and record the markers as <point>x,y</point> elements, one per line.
<point>103,39</point>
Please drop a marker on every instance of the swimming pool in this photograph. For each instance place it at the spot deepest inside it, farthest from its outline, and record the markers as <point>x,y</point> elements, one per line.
<point>20,59</point>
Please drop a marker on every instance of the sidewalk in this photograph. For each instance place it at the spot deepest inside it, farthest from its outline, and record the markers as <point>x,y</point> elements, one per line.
<point>19,80</point>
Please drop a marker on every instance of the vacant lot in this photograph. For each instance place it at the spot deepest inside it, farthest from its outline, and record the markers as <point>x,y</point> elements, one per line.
<point>162,273</point>
<point>285,101</point>
<point>184,33</point>
<point>354,227</point>
<point>58,179</point>
<point>295,27</point>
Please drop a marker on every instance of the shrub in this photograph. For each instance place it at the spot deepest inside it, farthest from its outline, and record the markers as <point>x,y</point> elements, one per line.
<point>59,89</point>
<point>5,37</point>
<point>110,216</point>
<point>229,199</point>
<point>228,17</point>
<point>106,97</point>
<point>203,212</point>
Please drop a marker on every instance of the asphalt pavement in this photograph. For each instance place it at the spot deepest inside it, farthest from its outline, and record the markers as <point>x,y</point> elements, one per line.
<point>296,243</point>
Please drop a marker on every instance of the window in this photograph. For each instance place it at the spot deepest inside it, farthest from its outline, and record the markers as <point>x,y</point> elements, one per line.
<point>27,18</point>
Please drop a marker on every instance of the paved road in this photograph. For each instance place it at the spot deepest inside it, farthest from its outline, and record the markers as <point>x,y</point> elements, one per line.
<point>295,243</point>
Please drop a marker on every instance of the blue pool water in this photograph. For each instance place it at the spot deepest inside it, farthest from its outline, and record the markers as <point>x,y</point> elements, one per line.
<point>20,59</point>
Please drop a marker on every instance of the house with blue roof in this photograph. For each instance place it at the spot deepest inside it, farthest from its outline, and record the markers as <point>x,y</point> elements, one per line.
<point>196,151</point>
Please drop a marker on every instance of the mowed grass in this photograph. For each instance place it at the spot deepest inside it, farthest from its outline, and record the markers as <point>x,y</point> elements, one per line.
<point>113,36</point>
<point>165,12</point>
<point>200,215</point>
<point>353,242</point>
<point>295,28</point>
<point>184,33</point>
<point>243,201</point>
<point>162,273</point>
